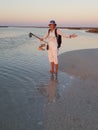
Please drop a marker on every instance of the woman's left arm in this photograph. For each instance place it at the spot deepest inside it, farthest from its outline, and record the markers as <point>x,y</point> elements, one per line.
<point>66,36</point>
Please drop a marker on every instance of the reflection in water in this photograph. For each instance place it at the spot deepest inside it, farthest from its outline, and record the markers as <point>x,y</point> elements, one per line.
<point>50,90</point>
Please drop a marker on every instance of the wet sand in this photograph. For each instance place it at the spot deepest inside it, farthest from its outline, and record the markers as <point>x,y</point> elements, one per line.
<point>82,63</point>
<point>78,108</point>
<point>77,111</point>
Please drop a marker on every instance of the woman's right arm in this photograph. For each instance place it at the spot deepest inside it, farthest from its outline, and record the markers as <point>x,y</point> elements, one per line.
<point>44,37</point>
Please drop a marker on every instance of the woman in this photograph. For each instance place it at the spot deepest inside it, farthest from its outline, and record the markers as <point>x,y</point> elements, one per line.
<point>52,43</point>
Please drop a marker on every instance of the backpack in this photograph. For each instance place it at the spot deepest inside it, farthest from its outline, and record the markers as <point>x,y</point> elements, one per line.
<point>58,37</point>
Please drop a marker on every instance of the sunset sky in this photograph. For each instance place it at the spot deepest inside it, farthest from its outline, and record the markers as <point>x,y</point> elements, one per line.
<point>40,12</point>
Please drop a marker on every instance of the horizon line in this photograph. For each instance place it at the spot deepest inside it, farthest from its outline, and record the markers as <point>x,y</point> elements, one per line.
<point>62,27</point>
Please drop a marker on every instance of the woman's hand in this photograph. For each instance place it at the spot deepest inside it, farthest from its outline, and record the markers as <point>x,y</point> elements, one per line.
<point>73,36</point>
<point>41,39</point>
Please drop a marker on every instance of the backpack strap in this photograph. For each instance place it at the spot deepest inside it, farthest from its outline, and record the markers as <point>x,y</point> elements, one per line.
<point>56,32</point>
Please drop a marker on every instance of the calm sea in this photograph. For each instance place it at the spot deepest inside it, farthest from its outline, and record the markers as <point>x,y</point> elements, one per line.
<point>26,86</point>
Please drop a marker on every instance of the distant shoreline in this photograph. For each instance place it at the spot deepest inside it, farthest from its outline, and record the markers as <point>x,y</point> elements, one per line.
<point>88,29</point>
<point>4,26</point>
<point>78,28</point>
<point>94,30</point>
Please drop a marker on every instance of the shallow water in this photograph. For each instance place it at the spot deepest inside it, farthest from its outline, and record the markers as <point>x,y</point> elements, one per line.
<point>25,83</point>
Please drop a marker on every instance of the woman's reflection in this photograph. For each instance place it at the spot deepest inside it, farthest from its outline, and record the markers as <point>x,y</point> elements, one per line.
<point>50,90</point>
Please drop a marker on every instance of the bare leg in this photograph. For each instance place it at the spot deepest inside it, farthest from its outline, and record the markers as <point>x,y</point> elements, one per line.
<point>52,67</point>
<point>56,68</point>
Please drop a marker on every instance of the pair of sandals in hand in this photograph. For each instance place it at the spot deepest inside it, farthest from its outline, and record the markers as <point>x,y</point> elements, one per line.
<point>41,47</point>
